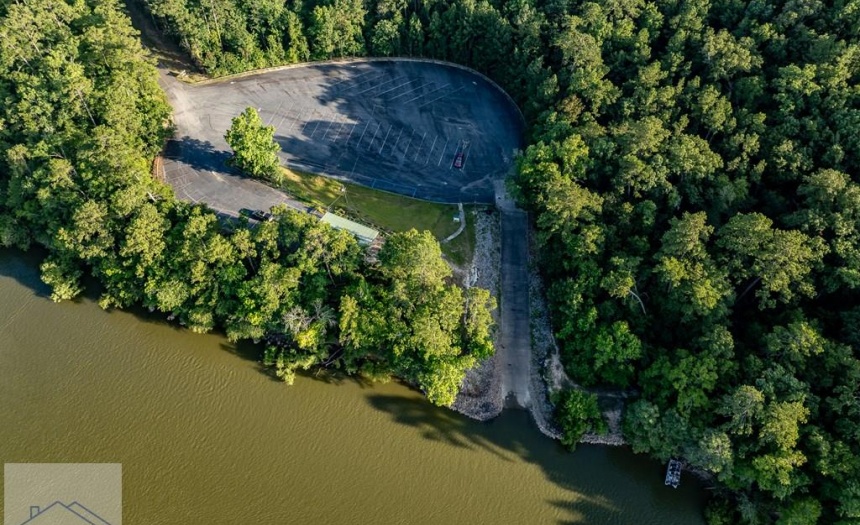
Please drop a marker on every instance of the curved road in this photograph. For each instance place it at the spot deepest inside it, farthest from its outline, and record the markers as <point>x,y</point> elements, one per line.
<point>421,129</point>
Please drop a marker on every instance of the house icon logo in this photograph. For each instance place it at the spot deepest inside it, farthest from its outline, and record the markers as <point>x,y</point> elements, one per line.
<point>62,494</point>
<point>58,513</point>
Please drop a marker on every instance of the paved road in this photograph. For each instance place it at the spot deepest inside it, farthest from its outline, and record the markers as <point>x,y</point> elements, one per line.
<point>514,349</point>
<point>219,186</point>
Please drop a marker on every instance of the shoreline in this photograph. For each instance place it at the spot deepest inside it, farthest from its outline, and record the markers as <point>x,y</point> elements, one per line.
<point>548,375</point>
<point>480,397</point>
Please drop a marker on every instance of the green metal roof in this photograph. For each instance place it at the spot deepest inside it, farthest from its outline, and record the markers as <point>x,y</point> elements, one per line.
<point>364,234</point>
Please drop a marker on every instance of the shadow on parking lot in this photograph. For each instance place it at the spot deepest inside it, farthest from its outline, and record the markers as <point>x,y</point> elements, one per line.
<point>199,155</point>
<point>400,127</point>
<point>366,156</point>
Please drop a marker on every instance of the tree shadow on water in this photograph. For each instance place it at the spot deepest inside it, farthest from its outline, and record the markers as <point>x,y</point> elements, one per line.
<point>605,485</point>
<point>251,351</point>
<point>23,267</point>
<point>435,423</point>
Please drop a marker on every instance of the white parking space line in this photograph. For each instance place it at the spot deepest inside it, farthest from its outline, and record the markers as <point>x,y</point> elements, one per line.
<point>413,90</point>
<point>357,124</point>
<point>340,157</point>
<point>306,122</point>
<point>431,149</point>
<point>337,133</point>
<point>351,79</point>
<point>443,96</point>
<point>286,113</point>
<point>394,147</point>
<point>371,88</point>
<point>374,79</point>
<point>420,146</point>
<point>327,129</point>
<point>396,87</point>
<point>443,152</point>
<point>379,125</point>
<point>269,120</point>
<point>465,154</point>
<point>426,94</point>
<point>363,132</point>
<point>295,120</point>
<point>386,139</point>
<point>409,144</point>
<point>316,127</point>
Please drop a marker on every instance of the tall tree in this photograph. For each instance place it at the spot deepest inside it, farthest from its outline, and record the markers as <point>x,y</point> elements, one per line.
<point>254,149</point>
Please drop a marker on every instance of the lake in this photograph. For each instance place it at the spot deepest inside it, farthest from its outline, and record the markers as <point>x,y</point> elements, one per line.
<point>205,436</point>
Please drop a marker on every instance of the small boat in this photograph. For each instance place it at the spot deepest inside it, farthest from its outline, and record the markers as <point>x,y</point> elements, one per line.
<point>673,473</point>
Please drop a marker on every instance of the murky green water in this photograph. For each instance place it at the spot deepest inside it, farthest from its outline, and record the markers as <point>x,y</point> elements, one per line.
<point>205,437</point>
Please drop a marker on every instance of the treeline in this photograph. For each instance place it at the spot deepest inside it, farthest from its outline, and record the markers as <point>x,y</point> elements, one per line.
<point>502,39</point>
<point>695,187</point>
<point>81,120</point>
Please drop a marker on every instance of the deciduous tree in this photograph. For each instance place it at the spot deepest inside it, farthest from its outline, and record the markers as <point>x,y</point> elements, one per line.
<point>254,148</point>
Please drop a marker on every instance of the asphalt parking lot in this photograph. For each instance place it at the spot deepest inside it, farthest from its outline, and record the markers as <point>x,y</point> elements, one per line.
<point>399,126</point>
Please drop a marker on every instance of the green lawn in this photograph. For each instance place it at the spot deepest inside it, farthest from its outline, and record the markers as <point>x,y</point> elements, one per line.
<point>382,210</point>
<point>461,249</point>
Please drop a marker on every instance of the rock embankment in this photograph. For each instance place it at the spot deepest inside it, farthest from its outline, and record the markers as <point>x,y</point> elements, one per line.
<point>480,395</point>
<point>544,354</point>
<point>548,375</point>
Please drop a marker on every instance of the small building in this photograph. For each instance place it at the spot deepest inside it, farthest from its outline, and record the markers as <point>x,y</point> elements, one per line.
<point>364,234</point>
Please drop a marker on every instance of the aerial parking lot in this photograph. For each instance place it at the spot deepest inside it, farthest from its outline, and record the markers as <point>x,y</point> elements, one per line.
<point>421,129</point>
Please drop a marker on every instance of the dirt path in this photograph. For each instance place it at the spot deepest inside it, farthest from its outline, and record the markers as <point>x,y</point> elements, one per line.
<point>166,51</point>
<point>480,392</point>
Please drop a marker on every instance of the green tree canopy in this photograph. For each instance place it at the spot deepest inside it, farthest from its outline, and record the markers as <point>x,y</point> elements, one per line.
<point>254,149</point>
<point>577,412</point>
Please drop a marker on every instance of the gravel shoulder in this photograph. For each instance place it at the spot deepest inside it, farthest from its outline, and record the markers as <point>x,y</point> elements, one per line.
<point>480,393</point>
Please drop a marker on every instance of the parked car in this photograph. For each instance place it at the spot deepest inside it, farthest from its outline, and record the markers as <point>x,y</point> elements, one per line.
<point>258,215</point>
<point>261,215</point>
<point>458,160</point>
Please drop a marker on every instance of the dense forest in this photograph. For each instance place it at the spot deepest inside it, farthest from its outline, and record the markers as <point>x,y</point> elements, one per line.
<point>692,174</point>
<point>693,178</point>
<point>82,119</point>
